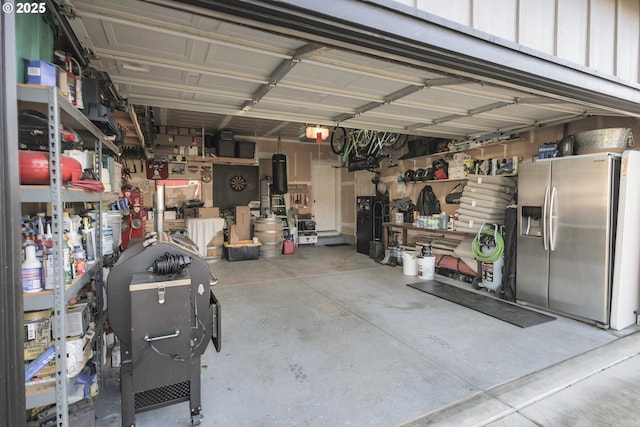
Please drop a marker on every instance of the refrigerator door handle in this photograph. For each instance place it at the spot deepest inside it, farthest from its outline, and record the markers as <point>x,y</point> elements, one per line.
<point>552,237</point>
<point>544,219</point>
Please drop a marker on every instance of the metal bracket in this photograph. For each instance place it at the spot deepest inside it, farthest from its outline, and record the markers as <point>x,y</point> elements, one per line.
<point>161,294</point>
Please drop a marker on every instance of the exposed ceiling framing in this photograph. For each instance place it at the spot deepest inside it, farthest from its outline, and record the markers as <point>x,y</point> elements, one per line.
<point>264,69</point>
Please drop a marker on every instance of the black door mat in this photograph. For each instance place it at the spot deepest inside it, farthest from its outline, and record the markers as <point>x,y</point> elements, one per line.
<point>502,310</point>
<point>335,245</point>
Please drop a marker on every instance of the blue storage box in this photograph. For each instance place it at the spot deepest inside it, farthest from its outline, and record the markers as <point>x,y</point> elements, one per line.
<point>40,73</point>
<point>548,151</point>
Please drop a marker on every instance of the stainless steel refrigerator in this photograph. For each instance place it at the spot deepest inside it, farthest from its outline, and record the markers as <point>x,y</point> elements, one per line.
<point>567,209</point>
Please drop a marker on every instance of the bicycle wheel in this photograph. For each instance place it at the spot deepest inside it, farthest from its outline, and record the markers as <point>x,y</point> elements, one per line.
<point>400,142</point>
<point>338,140</point>
<point>388,139</point>
<point>360,137</point>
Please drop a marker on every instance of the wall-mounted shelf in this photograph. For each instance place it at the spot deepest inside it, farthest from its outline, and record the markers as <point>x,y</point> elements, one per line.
<point>213,160</point>
<point>481,147</point>
<point>37,97</point>
<point>43,194</point>
<point>431,181</point>
<point>44,299</point>
<point>233,161</point>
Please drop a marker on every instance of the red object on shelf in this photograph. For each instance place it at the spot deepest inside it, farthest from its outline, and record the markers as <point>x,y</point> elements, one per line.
<point>34,168</point>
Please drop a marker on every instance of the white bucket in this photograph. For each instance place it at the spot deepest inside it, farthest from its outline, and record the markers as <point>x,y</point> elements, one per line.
<point>107,240</point>
<point>113,219</point>
<point>426,267</point>
<point>409,265</point>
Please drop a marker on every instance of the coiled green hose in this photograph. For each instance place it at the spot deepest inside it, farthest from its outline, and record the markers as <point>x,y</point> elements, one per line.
<point>497,251</point>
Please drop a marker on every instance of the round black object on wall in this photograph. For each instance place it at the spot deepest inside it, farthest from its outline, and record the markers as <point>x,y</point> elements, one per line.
<point>279,165</point>
<point>238,183</point>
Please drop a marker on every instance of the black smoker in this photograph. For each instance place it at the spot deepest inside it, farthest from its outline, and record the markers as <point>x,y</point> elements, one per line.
<point>164,319</point>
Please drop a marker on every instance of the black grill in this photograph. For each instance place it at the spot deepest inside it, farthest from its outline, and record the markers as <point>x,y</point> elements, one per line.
<point>152,313</point>
<point>170,393</point>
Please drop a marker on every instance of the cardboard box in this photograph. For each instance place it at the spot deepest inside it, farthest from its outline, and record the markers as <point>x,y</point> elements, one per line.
<point>78,354</point>
<point>458,172</point>
<point>176,224</point>
<point>40,73</point>
<point>63,81</point>
<point>214,247</point>
<point>37,328</point>
<point>78,319</point>
<point>243,222</point>
<point>183,131</point>
<point>32,352</point>
<point>209,212</point>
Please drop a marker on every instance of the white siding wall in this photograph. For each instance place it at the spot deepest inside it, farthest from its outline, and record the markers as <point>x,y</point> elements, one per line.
<point>600,34</point>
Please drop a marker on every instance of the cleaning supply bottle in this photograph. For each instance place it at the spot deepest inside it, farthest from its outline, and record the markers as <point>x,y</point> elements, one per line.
<point>66,222</point>
<point>39,241</point>
<point>79,260</point>
<point>67,251</point>
<point>31,269</point>
<point>47,260</point>
<point>89,240</point>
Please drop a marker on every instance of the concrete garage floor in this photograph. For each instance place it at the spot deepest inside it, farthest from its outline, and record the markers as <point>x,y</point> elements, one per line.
<point>328,337</point>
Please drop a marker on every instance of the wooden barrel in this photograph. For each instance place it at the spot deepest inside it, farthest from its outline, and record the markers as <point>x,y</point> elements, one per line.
<point>269,233</point>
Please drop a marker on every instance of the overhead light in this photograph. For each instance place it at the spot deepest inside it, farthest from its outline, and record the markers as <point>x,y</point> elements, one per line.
<point>136,67</point>
<point>318,133</point>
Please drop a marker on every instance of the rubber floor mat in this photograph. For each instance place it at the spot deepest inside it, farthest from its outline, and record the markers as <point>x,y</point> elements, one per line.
<point>499,309</point>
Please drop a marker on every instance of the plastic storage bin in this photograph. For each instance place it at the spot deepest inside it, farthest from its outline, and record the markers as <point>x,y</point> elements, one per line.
<point>241,251</point>
<point>225,148</point>
<point>245,149</point>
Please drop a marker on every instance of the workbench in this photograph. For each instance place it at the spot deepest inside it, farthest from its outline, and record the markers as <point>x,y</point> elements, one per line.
<point>406,226</point>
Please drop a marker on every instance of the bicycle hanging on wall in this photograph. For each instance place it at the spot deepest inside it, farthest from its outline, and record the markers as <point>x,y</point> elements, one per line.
<point>360,149</point>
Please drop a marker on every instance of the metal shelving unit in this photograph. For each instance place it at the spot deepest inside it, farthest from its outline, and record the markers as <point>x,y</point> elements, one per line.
<point>59,110</point>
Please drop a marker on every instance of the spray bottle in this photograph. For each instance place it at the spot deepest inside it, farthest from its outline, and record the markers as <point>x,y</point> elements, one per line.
<point>47,260</point>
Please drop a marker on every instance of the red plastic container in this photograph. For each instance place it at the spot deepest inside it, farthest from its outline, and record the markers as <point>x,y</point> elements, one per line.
<point>288,247</point>
<point>34,168</point>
